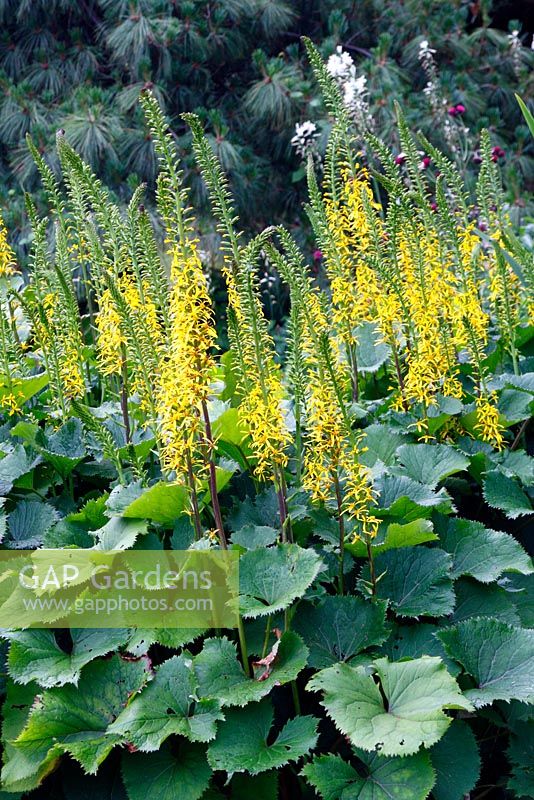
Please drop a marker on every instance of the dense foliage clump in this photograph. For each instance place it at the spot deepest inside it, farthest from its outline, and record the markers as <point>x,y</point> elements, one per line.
<point>375,480</point>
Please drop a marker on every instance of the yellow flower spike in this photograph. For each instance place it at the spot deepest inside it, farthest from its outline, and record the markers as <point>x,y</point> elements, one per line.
<point>110,338</point>
<point>488,425</point>
<point>186,368</point>
<point>70,370</point>
<point>8,264</point>
<point>9,403</point>
<point>259,382</point>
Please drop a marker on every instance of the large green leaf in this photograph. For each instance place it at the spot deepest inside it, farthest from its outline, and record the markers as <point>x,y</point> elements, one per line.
<point>340,627</point>
<point>499,657</point>
<point>35,655</point>
<point>119,533</point>
<point>142,638</point>
<point>379,778</point>
<point>380,444</point>
<point>163,502</point>
<point>475,599</point>
<point>221,677</point>
<point>23,388</point>
<point>271,579</point>
<point>21,771</point>
<point>176,772</point>
<point>516,464</point>
<point>522,587</point>
<point>414,641</point>
<point>28,523</point>
<point>457,763</point>
<point>371,350</point>
<point>64,449</point>
<point>168,705</point>
<point>520,754</point>
<point>442,410</point>
<point>506,494</point>
<point>431,463</point>
<point>263,510</point>
<point>415,580</point>
<point>242,740</point>
<point>400,496</point>
<point>397,718</point>
<point>396,535</point>
<point>515,405</point>
<point>92,515</point>
<point>75,720</point>
<point>480,552</point>
<point>253,537</point>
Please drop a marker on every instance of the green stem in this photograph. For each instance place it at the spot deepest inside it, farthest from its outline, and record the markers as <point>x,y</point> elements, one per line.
<point>341,523</point>
<point>243,646</point>
<point>213,478</point>
<point>266,637</point>
<point>194,500</point>
<point>298,446</point>
<point>124,395</point>
<point>371,565</point>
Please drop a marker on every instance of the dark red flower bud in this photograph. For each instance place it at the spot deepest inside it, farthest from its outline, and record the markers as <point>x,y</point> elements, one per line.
<point>400,159</point>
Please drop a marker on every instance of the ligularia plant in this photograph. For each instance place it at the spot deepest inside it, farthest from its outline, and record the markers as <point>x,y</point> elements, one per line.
<point>365,462</point>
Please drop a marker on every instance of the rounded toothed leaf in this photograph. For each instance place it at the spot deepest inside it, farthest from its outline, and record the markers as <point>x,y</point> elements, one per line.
<point>331,632</point>
<point>169,705</point>
<point>271,579</point>
<point>378,778</point>
<point>176,772</point>
<point>457,762</point>
<point>397,717</point>
<point>499,657</point>
<point>415,580</point>
<point>242,740</point>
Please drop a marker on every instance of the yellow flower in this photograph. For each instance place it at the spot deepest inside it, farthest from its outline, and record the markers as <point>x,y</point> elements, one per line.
<point>110,337</point>
<point>70,370</point>
<point>488,425</point>
<point>358,494</point>
<point>259,380</point>
<point>186,367</point>
<point>8,264</point>
<point>10,403</point>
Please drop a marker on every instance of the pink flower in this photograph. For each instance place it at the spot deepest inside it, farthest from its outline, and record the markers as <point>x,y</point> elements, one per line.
<point>452,111</point>
<point>425,162</point>
<point>317,255</point>
<point>460,108</point>
<point>434,206</point>
<point>400,159</point>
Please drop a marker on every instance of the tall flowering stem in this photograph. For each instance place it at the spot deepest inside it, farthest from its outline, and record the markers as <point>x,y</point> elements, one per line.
<point>332,470</point>
<point>259,376</point>
<point>186,363</point>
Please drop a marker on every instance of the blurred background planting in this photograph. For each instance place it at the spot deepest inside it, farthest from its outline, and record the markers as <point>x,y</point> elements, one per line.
<point>81,64</point>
